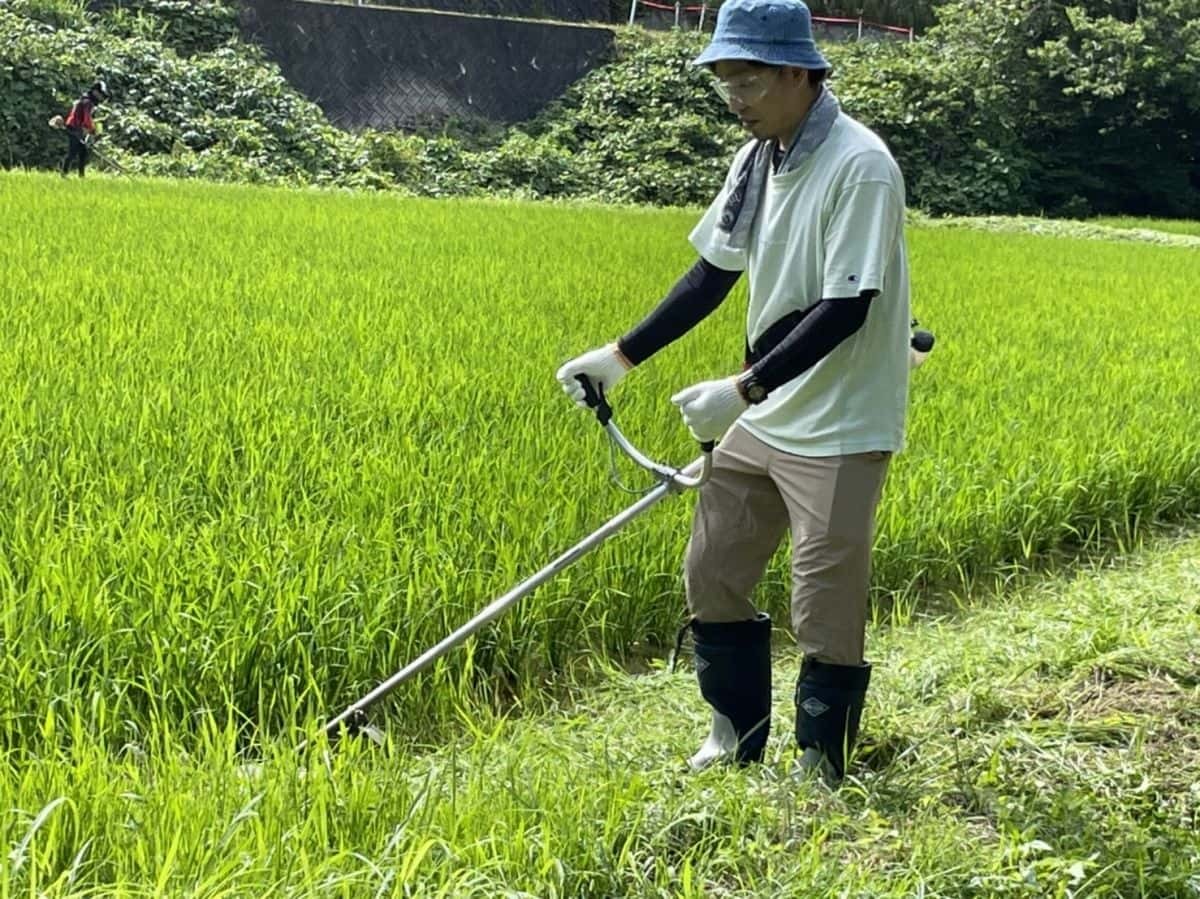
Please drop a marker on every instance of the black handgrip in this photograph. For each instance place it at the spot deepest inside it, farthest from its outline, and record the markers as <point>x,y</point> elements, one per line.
<point>708,446</point>
<point>595,399</point>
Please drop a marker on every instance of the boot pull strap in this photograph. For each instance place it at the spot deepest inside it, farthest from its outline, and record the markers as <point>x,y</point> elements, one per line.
<point>679,642</point>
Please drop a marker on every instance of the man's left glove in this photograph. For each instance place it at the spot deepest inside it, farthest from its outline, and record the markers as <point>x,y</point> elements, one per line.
<point>710,407</point>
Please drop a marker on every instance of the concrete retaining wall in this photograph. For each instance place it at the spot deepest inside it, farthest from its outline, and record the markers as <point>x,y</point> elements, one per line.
<point>393,68</point>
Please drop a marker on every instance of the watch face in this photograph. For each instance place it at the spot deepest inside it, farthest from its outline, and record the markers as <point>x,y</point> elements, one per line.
<point>757,393</point>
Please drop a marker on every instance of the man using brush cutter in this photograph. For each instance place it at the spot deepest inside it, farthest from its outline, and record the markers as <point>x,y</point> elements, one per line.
<point>80,128</point>
<point>813,210</point>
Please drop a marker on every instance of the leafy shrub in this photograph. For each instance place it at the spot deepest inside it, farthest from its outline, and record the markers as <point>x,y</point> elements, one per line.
<point>55,13</point>
<point>41,73</point>
<point>1093,106</point>
<point>647,129</point>
<point>957,154</point>
<point>186,26</point>
<point>400,156</point>
<point>136,24</point>
<point>537,166</point>
<point>1001,107</point>
<point>141,133</point>
<point>227,100</point>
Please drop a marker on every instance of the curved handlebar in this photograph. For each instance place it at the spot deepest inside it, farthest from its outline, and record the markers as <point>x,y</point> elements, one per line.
<point>682,479</point>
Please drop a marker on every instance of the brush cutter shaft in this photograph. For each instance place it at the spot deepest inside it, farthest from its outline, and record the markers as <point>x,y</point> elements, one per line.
<point>500,605</point>
<point>671,480</point>
<point>106,159</point>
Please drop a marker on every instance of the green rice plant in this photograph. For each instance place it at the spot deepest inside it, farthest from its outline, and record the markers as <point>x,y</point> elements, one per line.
<point>261,448</point>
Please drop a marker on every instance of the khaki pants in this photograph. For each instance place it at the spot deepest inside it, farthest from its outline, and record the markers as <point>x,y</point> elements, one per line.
<point>755,495</point>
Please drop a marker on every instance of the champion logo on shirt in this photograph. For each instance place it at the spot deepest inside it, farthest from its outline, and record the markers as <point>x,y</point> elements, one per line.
<point>852,278</point>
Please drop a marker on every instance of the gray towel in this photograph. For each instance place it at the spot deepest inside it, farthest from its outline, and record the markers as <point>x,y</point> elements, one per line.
<point>741,207</point>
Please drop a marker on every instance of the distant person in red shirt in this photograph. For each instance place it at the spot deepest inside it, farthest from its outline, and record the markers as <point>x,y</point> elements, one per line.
<point>81,129</point>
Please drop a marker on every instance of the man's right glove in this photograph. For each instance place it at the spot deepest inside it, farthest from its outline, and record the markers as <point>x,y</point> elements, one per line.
<point>710,407</point>
<point>604,367</point>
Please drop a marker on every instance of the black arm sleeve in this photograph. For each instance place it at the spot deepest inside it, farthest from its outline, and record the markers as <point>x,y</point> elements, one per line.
<point>815,337</point>
<point>690,301</point>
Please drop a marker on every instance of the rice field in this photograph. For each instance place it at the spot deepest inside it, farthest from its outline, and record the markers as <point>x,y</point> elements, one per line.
<point>260,448</point>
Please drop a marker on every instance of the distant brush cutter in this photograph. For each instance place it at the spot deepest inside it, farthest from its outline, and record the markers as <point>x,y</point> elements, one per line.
<point>670,480</point>
<point>59,124</point>
<point>90,143</point>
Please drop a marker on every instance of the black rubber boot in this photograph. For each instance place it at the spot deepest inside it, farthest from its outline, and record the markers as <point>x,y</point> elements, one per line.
<point>733,666</point>
<point>829,705</point>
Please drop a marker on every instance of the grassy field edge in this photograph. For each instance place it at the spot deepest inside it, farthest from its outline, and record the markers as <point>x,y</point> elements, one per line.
<point>1041,743</point>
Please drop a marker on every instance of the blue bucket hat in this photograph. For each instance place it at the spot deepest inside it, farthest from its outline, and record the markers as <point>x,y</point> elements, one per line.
<point>771,32</point>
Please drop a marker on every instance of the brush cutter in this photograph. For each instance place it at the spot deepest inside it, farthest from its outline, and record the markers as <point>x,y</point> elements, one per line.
<point>108,160</point>
<point>90,143</point>
<point>58,124</point>
<point>670,480</point>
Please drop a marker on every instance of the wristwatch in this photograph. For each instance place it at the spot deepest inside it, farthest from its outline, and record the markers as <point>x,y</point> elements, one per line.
<point>751,390</point>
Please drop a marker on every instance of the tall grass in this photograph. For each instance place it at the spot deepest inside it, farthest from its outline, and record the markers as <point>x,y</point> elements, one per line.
<point>1042,745</point>
<point>1173,226</point>
<point>261,448</point>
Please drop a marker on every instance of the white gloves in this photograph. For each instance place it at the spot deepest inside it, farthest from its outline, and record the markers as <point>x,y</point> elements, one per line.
<point>604,367</point>
<point>710,407</point>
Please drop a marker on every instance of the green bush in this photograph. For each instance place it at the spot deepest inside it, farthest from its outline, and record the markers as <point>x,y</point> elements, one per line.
<point>1091,107</point>
<point>647,129</point>
<point>957,154</point>
<point>535,165</point>
<point>186,26</point>
<point>399,156</point>
<point>41,73</point>
<point>226,101</point>
<point>1002,107</point>
<point>55,13</point>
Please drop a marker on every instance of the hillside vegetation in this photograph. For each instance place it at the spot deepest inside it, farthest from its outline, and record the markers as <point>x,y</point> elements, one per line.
<point>1000,108</point>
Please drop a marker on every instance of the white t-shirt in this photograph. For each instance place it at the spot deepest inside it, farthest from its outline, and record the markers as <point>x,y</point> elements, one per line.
<point>829,229</point>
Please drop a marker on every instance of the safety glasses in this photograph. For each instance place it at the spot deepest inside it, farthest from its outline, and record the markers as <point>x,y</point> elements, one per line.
<point>745,90</point>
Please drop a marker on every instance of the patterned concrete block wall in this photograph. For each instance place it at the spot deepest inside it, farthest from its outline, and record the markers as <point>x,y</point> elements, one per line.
<point>393,68</point>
